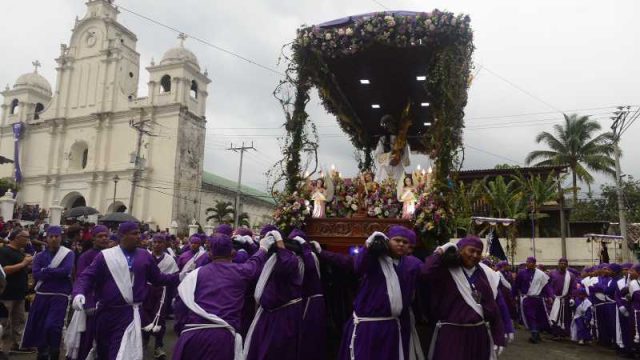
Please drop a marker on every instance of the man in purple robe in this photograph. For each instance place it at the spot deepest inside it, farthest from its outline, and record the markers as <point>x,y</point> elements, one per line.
<point>314,317</point>
<point>464,312</point>
<point>581,322</point>
<point>100,235</point>
<point>156,304</point>
<point>563,283</point>
<point>387,283</point>
<point>210,302</point>
<point>625,320</point>
<point>118,276</point>
<point>604,304</point>
<point>52,271</point>
<point>532,286</point>
<point>274,332</point>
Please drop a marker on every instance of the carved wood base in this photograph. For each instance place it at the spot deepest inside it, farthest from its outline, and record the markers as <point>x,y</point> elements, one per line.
<point>338,234</point>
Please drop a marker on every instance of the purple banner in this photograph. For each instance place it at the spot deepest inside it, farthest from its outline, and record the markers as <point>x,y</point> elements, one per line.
<point>18,129</point>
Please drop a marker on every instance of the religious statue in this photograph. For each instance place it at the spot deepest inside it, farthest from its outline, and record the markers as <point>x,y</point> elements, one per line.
<point>407,196</point>
<point>392,153</point>
<point>322,194</point>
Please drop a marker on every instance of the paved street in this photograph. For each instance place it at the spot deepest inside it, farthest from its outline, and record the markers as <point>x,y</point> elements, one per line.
<point>521,349</point>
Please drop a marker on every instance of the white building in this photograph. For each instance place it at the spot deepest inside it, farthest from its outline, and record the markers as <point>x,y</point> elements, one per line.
<point>80,135</point>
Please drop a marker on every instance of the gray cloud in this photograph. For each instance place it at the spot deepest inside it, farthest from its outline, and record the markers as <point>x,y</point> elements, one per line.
<point>573,54</point>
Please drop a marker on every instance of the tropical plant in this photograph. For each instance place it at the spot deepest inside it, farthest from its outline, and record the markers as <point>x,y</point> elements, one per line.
<point>244,220</point>
<point>221,213</point>
<point>499,194</point>
<point>465,196</point>
<point>577,145</point>
<point>538,191</point>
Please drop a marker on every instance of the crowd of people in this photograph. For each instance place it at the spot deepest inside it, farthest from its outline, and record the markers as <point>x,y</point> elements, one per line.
<point>238,295</point>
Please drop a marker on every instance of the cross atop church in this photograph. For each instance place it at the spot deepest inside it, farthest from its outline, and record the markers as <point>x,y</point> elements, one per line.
<point>182,37</point>
<point>36,64</point>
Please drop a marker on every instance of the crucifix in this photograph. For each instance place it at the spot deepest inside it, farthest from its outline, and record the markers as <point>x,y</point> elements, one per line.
<point>36,64</point>
<point>182,37</point>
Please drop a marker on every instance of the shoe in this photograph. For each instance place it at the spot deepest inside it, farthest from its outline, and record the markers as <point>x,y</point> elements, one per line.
<point>15,349</point>
<point>159,354</point>
<point>581,342</point>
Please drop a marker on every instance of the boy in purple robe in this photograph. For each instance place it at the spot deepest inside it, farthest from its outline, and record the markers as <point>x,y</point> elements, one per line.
<point>532,286</point>
<point>605,307</point>
<point>274,332</point>
<point>314,317</point>
<point>118,276</point>
<point>210,302</point>
<point>100,235</point>
<point>581,322</point>
<point>52,271</point>
<point>188,260</point>
<point>563,283</point>
<point>463,309</point>
<point>156,304</point>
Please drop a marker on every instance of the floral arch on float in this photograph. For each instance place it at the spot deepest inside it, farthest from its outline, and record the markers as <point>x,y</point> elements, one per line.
<point>395,81</point>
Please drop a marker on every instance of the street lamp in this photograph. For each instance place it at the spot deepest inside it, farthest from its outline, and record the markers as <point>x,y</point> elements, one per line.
<point>115,188</point>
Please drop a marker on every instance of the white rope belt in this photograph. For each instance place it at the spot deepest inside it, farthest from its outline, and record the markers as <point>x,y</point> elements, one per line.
<point>306,307</point>
<point>292,302</point>
<point>357,320</point>
<point>53,294</point>
<point>193,327</point>
<point>434,339</point>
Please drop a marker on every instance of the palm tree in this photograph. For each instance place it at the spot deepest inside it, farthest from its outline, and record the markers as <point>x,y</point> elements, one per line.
<point>538,191</point>
<point>464,199</point>
<point>500,195</point>
<point>576,145</point>
<point>243,220</point>
<point>222,212</point>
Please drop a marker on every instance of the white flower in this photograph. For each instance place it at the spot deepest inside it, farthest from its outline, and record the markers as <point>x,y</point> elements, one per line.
<point>340,32</point>
<point>428,22</point>
<point>454,21</point>
<point>349,32</point>
<point>354,207</point>
<point>349,198</point>
<point>432,27</point>
<point>327,36</point>
<point>377,211</point>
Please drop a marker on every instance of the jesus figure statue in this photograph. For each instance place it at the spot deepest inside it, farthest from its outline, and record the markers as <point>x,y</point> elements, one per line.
<point>390,156</point>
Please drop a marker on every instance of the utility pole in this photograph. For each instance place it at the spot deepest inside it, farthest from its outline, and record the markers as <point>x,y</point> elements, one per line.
<point>236,208</point>
<point>136,160</point>
<point>618,128</point>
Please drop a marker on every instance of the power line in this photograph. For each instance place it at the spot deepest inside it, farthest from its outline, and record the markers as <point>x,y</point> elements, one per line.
<point>380,4</point>
<point>494,154</point>
<point>203,41</point>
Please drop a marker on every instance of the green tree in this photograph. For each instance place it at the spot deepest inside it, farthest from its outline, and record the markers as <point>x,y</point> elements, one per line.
<point>244,220</point>
<point>538,191</point>
<point>464,199</point>
<point>499,195</point>
<point>222,212</point>
<point>577,145</point>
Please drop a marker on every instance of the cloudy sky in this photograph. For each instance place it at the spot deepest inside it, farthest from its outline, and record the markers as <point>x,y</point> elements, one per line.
<point>534,59</point>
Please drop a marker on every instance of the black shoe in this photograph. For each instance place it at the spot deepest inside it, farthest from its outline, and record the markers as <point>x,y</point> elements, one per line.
<point>54,356</point>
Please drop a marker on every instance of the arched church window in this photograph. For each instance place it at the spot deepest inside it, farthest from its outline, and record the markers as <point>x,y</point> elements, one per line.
<point>165,84</point>
<point>39,108</point>
<point>79,155</point>
<point>15,107</point>
<point>194,89</point>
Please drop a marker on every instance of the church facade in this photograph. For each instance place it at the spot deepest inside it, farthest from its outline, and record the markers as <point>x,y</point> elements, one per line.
<point>90,140</point>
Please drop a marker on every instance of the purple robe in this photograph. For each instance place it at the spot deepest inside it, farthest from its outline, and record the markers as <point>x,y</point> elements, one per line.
<point>114,314</point>
<point>47,313</point>
<point>448,306</point>
<point>221,290</point>
<point>505,314</point>
<point>557,285</point>
<point>626,322</point>
<point>634,314</point>
<point>533,308</point>
<point>186,256</point>
<point>583,324</point>
<point>276,333</point>
<point>413,267</point>
<point>87,337</point>
<point>605,310</point>
<point>314,320</point>
<point>374,339</point>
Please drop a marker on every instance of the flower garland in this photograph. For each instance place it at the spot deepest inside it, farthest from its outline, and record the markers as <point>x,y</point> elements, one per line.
<point>346,201</point>
<point>432,216</point>
<point>292,211</point>
<point>383,203</point>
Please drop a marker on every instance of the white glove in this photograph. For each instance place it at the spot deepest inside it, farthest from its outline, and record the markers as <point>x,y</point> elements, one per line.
<point>299,240</point>
<point>239,239</point>
<point>78,302</point>
<point>624,311</point>
<point>373,236</point>
<point>446,247</point>
<point>276,235</point>
<point>511,337</point>
<point>498,349</point>
<point>267,242</point>
<point>572,302</point>
<point>317,246</point>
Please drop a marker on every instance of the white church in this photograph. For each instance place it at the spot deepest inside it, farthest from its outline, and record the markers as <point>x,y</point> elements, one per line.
<point>91,141</point>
